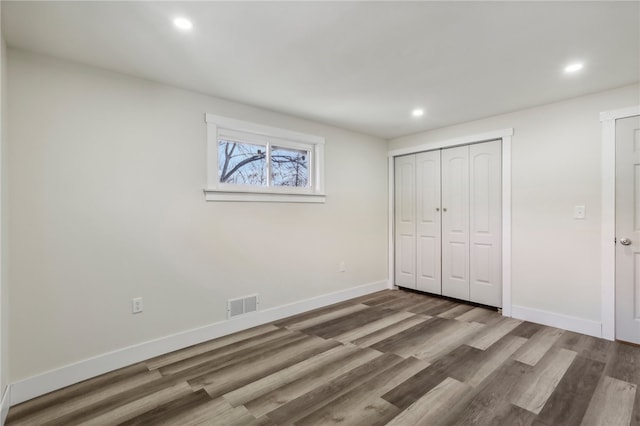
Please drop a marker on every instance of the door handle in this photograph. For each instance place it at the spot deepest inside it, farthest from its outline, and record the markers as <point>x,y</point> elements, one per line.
<point>625,241</point>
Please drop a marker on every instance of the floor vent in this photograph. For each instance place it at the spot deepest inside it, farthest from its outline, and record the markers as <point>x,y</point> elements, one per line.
<point>242,305</point>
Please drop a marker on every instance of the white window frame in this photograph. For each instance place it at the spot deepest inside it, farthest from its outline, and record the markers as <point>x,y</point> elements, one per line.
<point>237,130</point>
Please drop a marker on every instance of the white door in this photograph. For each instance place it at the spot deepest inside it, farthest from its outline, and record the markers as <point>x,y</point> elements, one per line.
<point>405,221</point>
<point>485,223</point>
<point>455,222</point>
<point>428,222</point>
<point>628,229</point>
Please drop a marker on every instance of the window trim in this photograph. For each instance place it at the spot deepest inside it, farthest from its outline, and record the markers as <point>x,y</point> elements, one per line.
<point>218,126</point>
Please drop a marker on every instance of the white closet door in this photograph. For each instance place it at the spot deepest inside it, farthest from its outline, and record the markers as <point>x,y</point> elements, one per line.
<point>485,237</point>
<point>455,222</point>
<point>405,221</point>
<point>428,222</point>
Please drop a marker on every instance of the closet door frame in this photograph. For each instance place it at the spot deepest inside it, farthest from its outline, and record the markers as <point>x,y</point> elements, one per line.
<point>505,136</point>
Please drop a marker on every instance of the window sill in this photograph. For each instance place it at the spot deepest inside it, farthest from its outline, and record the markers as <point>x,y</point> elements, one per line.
<point>265,197</point>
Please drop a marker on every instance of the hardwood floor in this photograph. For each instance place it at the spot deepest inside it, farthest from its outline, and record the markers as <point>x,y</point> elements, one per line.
<point>393,357</point>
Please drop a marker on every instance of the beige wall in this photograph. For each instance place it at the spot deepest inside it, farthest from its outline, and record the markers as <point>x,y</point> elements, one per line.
<point>556,164</point>
<point>106,204</point>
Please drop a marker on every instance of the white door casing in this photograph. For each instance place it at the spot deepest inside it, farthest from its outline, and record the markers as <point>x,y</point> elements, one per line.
<point>608,207</point>
<point>455,222</point>
<point>485,224</point>
<point>506,136</point>
<point>627,262</point>
<point>428,224</point>
<point>405,221</point>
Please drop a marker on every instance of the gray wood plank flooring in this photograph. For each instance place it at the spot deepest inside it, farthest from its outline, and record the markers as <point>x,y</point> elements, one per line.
<point>392,357</point>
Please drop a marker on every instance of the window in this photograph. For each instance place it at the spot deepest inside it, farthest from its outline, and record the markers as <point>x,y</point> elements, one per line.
<point>242,163</point>
<point>252,162</point>
<point>290,167</point>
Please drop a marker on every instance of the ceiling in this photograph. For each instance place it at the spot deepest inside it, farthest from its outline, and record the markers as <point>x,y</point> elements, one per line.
<point>358,65</point>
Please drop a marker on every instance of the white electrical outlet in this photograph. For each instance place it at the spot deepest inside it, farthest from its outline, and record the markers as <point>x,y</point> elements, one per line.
<point>342,267</point>
<point>136,305</point>
<point>579,212</point>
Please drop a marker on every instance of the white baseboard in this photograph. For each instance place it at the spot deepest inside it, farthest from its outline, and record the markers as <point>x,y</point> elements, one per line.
<point>5,404</point>
<point>61,377</point>
<point>566,322</point>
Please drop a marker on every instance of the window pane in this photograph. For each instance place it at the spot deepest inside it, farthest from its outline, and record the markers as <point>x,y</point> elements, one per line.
<point>241,163</point>
<point>289,167</point>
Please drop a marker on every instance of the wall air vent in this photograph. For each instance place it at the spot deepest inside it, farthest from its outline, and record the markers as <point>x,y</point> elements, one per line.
<point>242,305</point>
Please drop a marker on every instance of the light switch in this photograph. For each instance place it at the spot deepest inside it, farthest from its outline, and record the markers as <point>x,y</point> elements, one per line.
<point>579,212</point>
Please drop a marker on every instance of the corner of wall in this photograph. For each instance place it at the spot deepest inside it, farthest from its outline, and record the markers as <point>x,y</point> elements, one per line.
<point>5,404</point>
<point>4,387</point>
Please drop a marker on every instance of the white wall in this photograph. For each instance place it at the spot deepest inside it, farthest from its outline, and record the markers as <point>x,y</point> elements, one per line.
<point>555,165</point>
<point>106,204</point>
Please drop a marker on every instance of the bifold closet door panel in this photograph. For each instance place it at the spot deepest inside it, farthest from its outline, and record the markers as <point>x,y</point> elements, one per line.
<point>405,221</point>
<point>485,221</point>
<point>428,260</point>
<point>455,222</point>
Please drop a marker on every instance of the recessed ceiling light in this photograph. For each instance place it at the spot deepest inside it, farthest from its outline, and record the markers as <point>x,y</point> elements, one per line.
<point>183,24</point>
<point>417,112</point>
<point>571,68</point>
